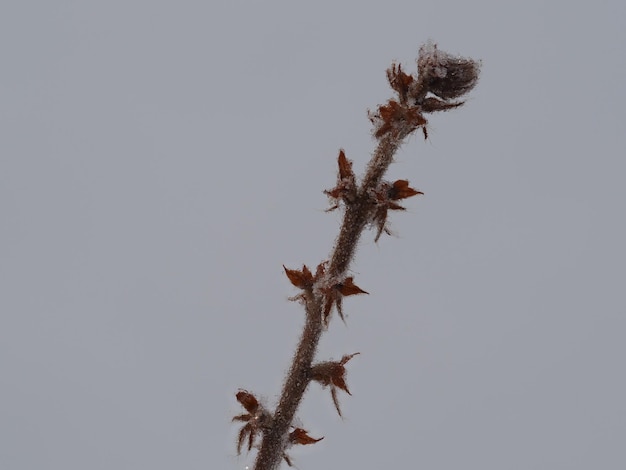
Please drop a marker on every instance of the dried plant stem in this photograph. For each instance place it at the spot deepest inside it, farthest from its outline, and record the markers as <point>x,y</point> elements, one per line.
<point>356,216</point>
<point>440,80</point>
<point>272,446</point>
<point>355,219</point>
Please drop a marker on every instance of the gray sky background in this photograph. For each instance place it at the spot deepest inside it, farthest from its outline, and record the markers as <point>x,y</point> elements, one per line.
<point>160,161</point>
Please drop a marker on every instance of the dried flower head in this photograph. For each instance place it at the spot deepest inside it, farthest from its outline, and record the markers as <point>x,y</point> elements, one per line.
<point>441,77</point>
<point>445,75</point>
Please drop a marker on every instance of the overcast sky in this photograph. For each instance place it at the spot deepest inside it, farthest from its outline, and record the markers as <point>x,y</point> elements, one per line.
<point>160,161</point>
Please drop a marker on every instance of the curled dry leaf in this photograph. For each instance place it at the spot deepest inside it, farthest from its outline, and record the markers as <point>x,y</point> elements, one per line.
<point>348,287</point>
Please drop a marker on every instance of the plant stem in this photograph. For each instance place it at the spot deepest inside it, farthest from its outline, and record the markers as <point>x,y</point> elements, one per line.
<point>442,78</point>
<point>354,221</point>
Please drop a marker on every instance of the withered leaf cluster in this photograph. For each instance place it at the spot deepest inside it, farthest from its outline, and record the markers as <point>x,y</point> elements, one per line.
<point>332,290</point>
<point>332,374</point>
<point>258,420</point>
<point>346,189</point>
<point>383,198</point>
<point>386,195</point>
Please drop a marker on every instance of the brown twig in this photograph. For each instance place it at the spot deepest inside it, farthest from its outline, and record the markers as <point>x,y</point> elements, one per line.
<point>441,78</point>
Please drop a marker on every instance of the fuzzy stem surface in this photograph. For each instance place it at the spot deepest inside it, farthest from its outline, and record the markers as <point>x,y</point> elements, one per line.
<point>355,219</point>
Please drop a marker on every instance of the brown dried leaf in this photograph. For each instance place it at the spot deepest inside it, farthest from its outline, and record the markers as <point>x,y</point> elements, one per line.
<point>300,436</point>
<point>333,374</point>
<point>302,279</point>
<point>393,117</point>
<point>395,206</point>
<point>247,400</point>
<point>326,372</point>
<point>345,166</point>
<point>242,437</point>
<point>401,190</point>
<point>321,269</point>
<point>347,287</point>
<point>399,81</point>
